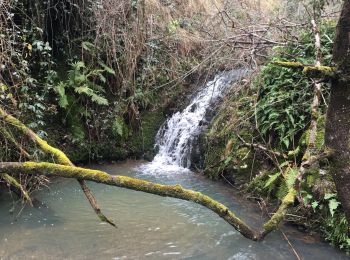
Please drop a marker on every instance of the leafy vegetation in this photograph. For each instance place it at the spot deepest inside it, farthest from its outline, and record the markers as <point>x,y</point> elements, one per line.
<point>284,95</point>
<point>82,81</point>
<point>275,112</point>
<point>77,80</point>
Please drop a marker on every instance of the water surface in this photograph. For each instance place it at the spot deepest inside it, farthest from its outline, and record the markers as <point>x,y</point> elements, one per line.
<point>149,227</point>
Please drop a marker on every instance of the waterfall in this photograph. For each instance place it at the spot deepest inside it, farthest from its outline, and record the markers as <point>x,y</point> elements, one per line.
<point>175,138</point>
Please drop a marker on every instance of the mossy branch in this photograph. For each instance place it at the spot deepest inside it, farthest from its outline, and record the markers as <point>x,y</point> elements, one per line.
<point>13,182</point>
<point>278,216</point>
<point>312,71</point>
<point>58,154</point>
<point>175,191</point>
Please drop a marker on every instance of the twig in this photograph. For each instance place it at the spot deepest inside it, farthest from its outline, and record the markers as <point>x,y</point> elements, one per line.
<point>291,246</point>
<point>261,147</point>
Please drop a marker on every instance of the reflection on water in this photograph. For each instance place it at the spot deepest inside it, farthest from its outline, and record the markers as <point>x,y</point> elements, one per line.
<point>149,227</point>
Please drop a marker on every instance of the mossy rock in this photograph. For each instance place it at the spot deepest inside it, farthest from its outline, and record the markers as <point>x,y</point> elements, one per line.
<point>141,144</point>
<point>225,154</point>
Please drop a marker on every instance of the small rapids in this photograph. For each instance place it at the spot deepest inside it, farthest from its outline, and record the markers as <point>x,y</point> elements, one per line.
<point>176,137</point>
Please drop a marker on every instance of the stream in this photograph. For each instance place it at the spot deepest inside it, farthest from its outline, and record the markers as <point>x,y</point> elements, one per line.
<point>149,226</point>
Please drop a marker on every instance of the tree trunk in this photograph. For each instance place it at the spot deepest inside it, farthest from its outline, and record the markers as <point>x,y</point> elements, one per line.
<point>338,114</point>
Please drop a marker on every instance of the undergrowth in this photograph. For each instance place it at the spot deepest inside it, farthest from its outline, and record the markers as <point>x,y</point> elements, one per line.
<point>275,112</point>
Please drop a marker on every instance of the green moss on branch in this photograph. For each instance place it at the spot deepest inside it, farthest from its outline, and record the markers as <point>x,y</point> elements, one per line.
<point>311,71</point>
<point>175,191</point>
<point>13,182</point>
<point>58,154</point>
<point>278,216</point>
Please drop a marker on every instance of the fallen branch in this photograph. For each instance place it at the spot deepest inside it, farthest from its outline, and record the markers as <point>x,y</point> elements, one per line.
<point>176,191</point>
<point>278,216</point>
<point>317,92</point>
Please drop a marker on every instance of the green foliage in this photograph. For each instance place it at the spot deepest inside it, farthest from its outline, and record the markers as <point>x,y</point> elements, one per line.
<point>336,230</point>
<point>284,104</point>
<point>332,202</point>
<point>119,128</point>
<point>27,66</point>
<point>142,99</point>
<point>173,26</point>
<point>285,95</point>
<point>332,222</point>
<point>271,180</point>
<point>276,184</point>
<point>83,88</point>
<point>83,82</point>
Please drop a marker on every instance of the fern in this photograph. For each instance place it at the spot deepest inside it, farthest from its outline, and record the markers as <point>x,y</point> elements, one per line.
<point>282,190</point>
<point>81,80</point>
<point>119,127</point>
<point>272,179</point>
<point>63,101</point>
<point>99,100</point>
<point>106,68</point>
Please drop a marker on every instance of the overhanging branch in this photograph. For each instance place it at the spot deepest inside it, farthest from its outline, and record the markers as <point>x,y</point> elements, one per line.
<point>176,191</point>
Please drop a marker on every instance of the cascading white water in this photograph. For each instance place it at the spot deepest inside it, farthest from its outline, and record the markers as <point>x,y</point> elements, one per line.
<point>175,138</point>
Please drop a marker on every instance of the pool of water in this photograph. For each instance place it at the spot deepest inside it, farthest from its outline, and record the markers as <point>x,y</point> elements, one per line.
<point>149,227</point>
